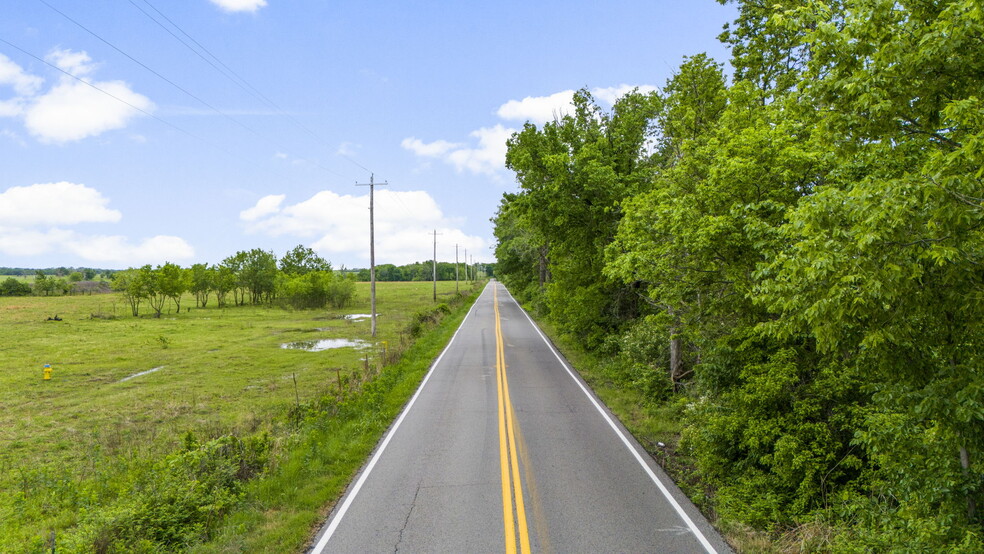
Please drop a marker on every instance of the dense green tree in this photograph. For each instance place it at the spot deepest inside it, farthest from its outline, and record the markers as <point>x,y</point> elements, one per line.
<point>201,283</point>
<point>173,281</point>
<point>809,239</point>
<point>520,255</point>
<point>301,260</point>
<point>884,261</point>
<point>573,174</point>
<point>14,287</point>
<point>258,273</point>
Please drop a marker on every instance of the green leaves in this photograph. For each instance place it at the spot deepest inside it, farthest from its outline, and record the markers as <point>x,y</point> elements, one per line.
<point>808,246</point>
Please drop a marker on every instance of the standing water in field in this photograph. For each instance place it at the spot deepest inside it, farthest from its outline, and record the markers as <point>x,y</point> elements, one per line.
<point>127,378</point>
<point>358,317</point>
<point>324,344</point>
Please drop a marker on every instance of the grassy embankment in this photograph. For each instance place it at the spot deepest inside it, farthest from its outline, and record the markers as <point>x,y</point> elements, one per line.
<point>217,442</point>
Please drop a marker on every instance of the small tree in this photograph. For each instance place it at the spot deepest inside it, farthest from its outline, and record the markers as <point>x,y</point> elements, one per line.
<point>155,292</point>
<point>173,281</point>
<point>303,260</point>
<point>202,281</point>
<point>133,285</point>
<point>224,281</point>
<point>43,284</point>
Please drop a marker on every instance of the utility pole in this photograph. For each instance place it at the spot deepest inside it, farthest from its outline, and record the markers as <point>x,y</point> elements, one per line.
<point>435,263</point>
<point>372,251</point>
<point>456,269</point>
<point>466,264</point>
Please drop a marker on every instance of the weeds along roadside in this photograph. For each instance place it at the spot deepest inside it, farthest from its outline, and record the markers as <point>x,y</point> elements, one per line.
<point>262,485</point>
<point>333,436</point>
<point>645,404</point>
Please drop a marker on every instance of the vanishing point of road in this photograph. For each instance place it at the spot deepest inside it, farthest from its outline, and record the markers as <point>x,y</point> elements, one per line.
<point>504,449</point>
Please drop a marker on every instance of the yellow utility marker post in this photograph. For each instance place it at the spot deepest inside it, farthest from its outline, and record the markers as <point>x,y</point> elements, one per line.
<point>47,372</point>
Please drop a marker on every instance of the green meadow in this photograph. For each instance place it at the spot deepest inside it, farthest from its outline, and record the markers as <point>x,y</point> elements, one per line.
<point>194,430</point>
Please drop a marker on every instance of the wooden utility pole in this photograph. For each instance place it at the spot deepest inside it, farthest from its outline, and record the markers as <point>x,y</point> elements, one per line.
<point>466,264</point>
<point>456,269</point>
<point>435,263</point>
<point>372,251</point>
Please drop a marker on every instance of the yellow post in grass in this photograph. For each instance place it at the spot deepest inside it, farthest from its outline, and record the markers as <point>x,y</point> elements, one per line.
<point>47,372</point>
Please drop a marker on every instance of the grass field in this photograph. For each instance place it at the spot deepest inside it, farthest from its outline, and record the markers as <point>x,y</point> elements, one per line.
<point>128,392</point>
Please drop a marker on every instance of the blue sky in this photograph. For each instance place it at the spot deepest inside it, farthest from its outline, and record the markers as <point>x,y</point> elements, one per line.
<point>121,146</point>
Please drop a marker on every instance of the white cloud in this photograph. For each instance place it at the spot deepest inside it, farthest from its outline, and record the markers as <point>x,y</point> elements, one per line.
<point>71,109</point>
<point>76,63</point>
<point>543,109</point>
<point>54,204</point>
<point>35,220</point>
<point>240,5</point>
<point>12,108</point>
<point>610,95</point>
<point>14,75</point>
<point>121,251</point>
<point>266,206</point>
<point>434,149</point>
<point>488,157</point>
<point>31,242</point>
<point>339,224</point>
<point>538,109</point>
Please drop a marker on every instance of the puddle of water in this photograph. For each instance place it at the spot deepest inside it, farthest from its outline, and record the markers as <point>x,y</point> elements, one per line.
<point>135,375</point>
<point>359,317</point>
<point>324,344</point>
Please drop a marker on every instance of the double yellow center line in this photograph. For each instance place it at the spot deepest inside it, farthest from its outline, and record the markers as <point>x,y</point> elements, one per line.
<point>512,487</point>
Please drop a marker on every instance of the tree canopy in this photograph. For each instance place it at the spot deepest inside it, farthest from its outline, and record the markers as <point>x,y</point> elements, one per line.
<point>798,253</point>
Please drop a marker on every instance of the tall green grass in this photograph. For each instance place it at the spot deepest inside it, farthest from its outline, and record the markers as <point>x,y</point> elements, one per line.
<point>204,445</point>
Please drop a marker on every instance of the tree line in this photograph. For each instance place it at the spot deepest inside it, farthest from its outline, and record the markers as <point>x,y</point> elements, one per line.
<point>424,271</point>
<point>301,279</point>
<point>793,257</point>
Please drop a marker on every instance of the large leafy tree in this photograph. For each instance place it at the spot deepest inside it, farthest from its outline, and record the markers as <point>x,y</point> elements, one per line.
<point>301,260</point>
<point>883,266</point>
<point>258,273</point>
<point>574,172</point>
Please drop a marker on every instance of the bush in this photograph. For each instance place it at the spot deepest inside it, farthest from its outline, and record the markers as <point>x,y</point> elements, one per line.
<point>14,287</point>
<point>341,290</point>
<point>178,501</point>
<point>316,289</point>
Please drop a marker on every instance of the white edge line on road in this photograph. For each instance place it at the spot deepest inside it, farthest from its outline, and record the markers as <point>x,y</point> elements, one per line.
<point>335,521</point>
<point>628,444</point>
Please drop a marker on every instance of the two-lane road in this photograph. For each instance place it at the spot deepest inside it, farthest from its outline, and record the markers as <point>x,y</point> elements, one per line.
<point>503,449</point>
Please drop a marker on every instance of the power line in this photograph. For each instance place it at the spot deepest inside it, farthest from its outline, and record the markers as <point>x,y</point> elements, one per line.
<point>231,74</point>
<point>143,65</point>
<point>225,70</point>
<point>177,86</point>
<point>111,95</point>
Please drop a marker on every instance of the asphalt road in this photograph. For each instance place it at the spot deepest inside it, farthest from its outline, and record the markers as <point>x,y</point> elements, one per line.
<point>498,408</point>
